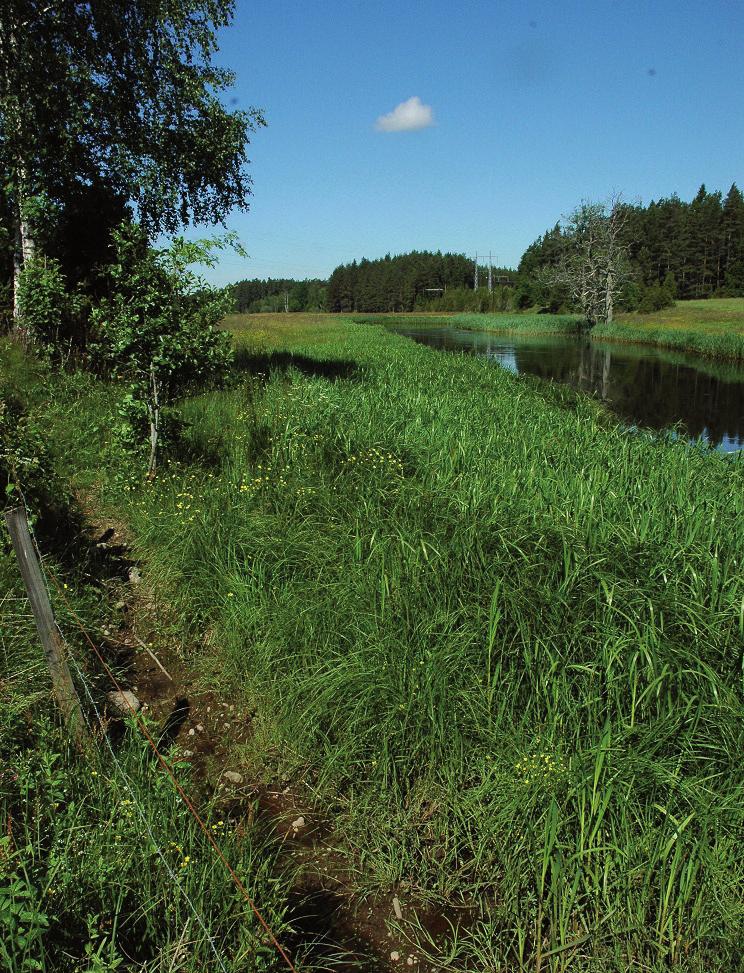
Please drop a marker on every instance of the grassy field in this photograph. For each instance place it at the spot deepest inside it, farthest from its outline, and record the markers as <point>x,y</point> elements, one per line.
<point>713,327</point>
<point>520,323</point>
<point>497,637</point>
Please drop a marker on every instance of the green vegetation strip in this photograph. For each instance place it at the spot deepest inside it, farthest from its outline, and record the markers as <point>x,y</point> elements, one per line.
<point>499,323</point>
<point>714,343</point>
<point>102,867</point>
<point>520,323</point>
<point>712,328</point>
<point>499,635</point>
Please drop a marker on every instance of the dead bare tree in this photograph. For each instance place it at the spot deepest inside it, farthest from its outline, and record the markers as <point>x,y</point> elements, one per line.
<point>594,265</point>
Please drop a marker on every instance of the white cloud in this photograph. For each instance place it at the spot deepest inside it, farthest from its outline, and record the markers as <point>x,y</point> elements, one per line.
<point>408,116</point>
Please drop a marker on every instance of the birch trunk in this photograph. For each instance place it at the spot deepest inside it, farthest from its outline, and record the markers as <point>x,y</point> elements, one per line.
<point>153,407</point>
<point>24,251</point>
<point>17,268</point>
<point>28,240</point>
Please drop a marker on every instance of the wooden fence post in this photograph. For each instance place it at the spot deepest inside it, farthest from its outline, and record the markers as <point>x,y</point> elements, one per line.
<point>51,641</point>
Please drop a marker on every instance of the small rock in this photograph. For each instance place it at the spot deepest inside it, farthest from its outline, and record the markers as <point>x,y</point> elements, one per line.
<point>188,753</point>
<point>192,732</point>
<point>298,823</point>
<point>410,961</point>
<point>396,908</point>
<point>395,956</point>
<point>134,576</point>
<point>199,727</point>
<point>122,703</point>
<point>233,777</point>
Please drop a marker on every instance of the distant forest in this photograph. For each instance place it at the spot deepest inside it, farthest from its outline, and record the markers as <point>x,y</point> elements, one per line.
<point>279,295</point>
<point>419,280</point>
<point>675,250</point>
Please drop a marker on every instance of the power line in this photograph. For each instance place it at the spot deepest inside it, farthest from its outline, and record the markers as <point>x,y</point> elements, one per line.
<point>476,263</point>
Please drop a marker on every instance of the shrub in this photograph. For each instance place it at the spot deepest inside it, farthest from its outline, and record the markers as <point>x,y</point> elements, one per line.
<point>655,298</point>
<point>51,315</point>
<point>157,330</point>
<point>26,473</point>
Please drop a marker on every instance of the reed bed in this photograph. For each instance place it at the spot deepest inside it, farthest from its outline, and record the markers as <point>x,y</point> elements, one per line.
<point>521,323</point>
<point>715,343</point>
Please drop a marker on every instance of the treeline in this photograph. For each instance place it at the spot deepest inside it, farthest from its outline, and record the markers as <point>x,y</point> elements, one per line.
<point>671,249</point>
<point>420,280</point>
<point>674,249</point>
<point>280,295</point>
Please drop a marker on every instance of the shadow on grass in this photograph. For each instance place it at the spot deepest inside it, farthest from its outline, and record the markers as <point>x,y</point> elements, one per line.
<point>282,361</point>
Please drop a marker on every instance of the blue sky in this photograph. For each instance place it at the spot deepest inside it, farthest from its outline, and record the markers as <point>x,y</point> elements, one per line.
<point>535,106</point>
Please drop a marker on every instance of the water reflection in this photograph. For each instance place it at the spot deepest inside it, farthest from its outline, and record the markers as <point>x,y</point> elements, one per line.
<point>645,386</point>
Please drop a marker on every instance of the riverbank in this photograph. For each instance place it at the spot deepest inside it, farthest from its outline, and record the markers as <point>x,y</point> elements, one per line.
<point>495,636</point>
<point>527,324</point>
<point>714,328</point>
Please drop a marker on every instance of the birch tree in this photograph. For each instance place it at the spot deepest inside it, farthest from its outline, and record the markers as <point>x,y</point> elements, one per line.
<point>123,96</point>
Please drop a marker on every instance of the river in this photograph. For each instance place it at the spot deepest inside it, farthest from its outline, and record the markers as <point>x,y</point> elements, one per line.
<point>647,387</point>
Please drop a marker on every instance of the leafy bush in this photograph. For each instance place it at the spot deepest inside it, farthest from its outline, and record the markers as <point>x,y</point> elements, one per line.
<point>655,298</point>
<point>157,331</point>
<point>25,465</point>
<point>51,315</point>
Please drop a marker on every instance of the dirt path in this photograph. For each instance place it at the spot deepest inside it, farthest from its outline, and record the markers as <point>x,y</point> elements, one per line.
<point>338,928</point>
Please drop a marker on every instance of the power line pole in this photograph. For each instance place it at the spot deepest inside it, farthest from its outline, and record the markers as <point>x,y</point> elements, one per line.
<point>475,286</point>
<point>490,275</point>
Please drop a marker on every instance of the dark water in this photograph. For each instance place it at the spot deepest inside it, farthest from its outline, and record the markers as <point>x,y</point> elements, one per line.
<point>647,387</point>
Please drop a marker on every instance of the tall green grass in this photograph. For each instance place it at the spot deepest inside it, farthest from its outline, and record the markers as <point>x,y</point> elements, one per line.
<point>520,323</point>
<point>500,636</point>
<point>728,344</point>
<point>102,868</point>
<point>528,324</point>
<point>497,636</point>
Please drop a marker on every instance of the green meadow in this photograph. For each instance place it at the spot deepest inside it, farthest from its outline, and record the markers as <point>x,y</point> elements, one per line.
<point>526,324</point>
<point>493,637</point>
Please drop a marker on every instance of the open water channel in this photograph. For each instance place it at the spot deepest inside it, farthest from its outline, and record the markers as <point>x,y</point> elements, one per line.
<point>647,387</point>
